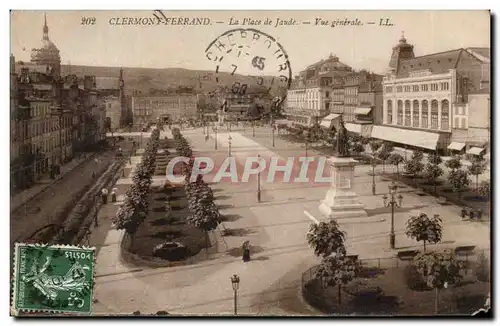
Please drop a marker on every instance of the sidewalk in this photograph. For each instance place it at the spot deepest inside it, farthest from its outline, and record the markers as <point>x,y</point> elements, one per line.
<point>41,185</point>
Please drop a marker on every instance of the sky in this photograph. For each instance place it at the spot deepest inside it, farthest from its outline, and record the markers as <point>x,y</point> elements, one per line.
<point>164,46</point>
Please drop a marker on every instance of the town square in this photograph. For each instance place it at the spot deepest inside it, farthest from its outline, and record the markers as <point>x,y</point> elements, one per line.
<point>253,185</point>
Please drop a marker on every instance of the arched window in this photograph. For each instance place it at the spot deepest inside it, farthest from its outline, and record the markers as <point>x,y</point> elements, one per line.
<point>416,114</point>
<point>445,115</point>
<point>389,112</point>
<point>400,112</point>
<point>407,113</point>
<point>434,114</point>
<point>425,114</point>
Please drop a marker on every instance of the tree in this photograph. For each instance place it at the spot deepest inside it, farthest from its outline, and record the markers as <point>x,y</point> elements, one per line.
<point>454,163</point>
<point>477,167</point>
<point>438,269</point>
<point>414,167</point>
<point>358,148</point>
<point>329,137</point>
<point>434,158</point>
<point>459,180</point>
<point>396,159</point>
<point>325,238</point>
<point>422,228</point>
<point>337,270</point>
<point>432,173</point>
<point>484,188</point>
<point>384,155</point>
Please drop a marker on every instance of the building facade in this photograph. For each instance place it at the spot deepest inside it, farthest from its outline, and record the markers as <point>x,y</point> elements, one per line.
<point>113,110</point>
<point>50,115</point>
<point>174,107</point>
<point>426,98</point>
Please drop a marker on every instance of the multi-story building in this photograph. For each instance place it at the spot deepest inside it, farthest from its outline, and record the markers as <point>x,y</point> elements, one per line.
<point>309,99</point>
<point>113,109</point>
<point>427,98</point>
<point>168,107</point>
<point>48,114</point>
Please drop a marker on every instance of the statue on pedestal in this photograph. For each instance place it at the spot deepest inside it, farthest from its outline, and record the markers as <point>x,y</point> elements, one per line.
<point>342,146</point>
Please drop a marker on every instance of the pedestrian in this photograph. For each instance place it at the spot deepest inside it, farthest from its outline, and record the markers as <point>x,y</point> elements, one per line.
<point>246,251</point>
<point>93,175</point>
<point>113,195</point>
<point>104,196</point>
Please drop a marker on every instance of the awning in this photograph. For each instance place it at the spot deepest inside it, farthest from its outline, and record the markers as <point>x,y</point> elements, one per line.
<point>456,146</point>
<point>353,127</point>
<point>327,121</point>
<point>475,150</point>
<point>362,111</point>
<point>415,138</point>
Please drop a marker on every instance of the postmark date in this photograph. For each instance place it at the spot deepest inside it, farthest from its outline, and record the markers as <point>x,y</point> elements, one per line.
<point>77,255</point>
<point>88,21</point>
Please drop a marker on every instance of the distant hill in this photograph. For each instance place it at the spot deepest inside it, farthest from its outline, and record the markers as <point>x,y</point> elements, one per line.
<point>144,79</point>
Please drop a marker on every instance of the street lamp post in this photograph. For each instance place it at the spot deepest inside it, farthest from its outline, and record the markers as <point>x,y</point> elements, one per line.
<point>273,126</point>
<point>394,201</point>
<point>141,138</point>
<point>235,281</point>
<point>258,182</point>
<point>215,130</point>
<point>229,145</point>
<point>307,140</point>
<point>253,128</point>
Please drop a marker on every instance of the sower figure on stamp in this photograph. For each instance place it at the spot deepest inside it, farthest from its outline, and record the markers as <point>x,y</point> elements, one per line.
<point>342,146</point>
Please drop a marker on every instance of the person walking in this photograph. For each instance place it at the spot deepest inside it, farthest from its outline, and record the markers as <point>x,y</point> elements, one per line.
<point>246,251</point>
<point>104,196</point>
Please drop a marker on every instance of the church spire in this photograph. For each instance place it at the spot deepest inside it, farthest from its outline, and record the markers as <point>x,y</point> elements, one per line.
<point>45,27</point>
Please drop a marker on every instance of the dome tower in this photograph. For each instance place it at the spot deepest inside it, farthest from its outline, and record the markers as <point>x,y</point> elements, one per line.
<point>47,54</point>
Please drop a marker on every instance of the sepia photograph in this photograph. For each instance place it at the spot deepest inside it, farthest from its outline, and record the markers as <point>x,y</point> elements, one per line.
<point>242,163</point>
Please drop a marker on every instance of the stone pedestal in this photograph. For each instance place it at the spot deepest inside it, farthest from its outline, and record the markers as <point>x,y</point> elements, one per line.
<point>341,202</point>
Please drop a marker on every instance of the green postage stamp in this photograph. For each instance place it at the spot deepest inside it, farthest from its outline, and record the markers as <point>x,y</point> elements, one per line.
<point>53,279</point>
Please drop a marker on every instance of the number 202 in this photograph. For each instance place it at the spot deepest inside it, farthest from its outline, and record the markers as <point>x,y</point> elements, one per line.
<point>88,21</point>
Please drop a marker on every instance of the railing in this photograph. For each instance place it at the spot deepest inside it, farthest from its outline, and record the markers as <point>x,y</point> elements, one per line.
<point>318,301</point>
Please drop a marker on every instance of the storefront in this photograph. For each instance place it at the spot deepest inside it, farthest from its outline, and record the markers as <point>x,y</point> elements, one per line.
<point>328,121</point>
<point>456,148</point>
<point>363,130</point>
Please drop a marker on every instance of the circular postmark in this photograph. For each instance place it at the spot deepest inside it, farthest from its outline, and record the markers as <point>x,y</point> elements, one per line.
<point>249,61</point>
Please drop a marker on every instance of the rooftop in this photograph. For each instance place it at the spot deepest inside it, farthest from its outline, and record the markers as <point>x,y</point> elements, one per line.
<point>437,63</point>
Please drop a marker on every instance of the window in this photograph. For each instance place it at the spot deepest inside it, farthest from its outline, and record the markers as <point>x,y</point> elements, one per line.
<point>327,94</point>
<point>445,115</point>
<point>416,114</point>
<point>463,126</point>
<point>424,87</point>
<point>457,122</point>
<point>445,86</point>
<point>434,114</point>
<point>407,88</point>
<point>425,114</point>
<point>434,87</point>
<point>399,89</point>
<point>389,112</point>
<point>415,88</point>
<point>400,112</point>
<point>407,113</point>
<point>388,89</point>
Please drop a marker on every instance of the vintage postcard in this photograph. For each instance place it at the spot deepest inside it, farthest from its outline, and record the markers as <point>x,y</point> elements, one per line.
<point>250,163</point>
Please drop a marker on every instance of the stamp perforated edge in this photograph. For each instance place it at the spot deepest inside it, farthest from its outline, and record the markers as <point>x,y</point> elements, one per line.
<point>15,312</point>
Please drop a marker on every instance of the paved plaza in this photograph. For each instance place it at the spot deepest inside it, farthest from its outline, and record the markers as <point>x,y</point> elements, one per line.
<point>276,228</point>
